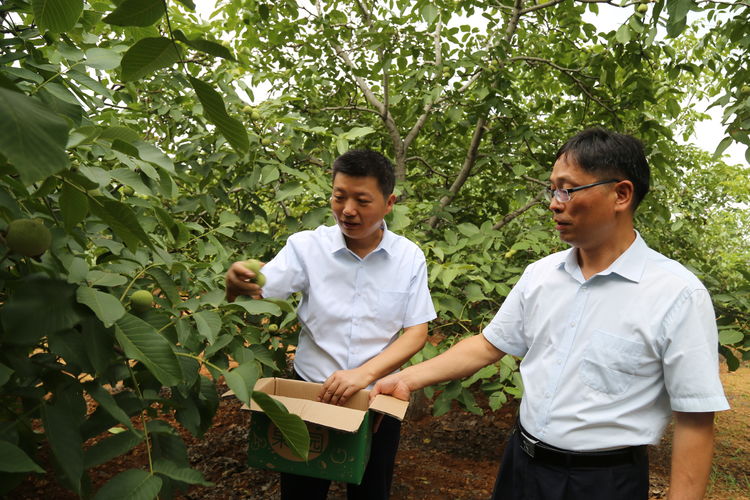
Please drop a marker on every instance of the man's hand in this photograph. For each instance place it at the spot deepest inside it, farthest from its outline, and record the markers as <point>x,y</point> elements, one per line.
<point>340,386</point>
<point>239,281</point>
<point>392,385</point>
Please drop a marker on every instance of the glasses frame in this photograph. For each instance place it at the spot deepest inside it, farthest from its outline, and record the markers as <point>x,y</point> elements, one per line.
<point>557,194</point>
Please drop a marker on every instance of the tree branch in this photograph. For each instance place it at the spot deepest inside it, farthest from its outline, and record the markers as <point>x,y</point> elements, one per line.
<point>505,220</point>
<point>469,162</point>
<point>426,164</point>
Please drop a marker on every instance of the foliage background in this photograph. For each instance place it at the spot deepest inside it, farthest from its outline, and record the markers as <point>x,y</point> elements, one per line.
<point>127,128</point>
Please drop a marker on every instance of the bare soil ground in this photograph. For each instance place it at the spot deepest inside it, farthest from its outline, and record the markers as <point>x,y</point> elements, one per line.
<point>452,457</point>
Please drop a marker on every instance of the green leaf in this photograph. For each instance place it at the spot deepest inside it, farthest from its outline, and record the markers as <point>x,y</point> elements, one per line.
<point>5,373</point>
<point>429,13</point>
<point>148,55</point>
<point>179,473</point>
<point>107,449</point>
<point>141,341</point>
<point>61,428</point>
<point>241,380</point>
<point>106,307</point>
<point>133,484</point>
<point>122,220</point>
<point>293,428</point>
<point>254,306</point>
<point>14,459</point>
<point>103,58</point>
<point>74,205</point>
<point>166,284</point>
<point>20,314</point>
<point>32,138</point>
<point>106,401</point>
<point>215,111</point>
<point>211,48</point>
<point>623,34</point>
<point>57,15</point>
<point>730,336</point>
<point>136,13</point>
<point>209,324</point>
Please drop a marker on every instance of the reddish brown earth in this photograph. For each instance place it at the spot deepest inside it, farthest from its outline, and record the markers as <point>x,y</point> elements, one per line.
<point>451,457</point>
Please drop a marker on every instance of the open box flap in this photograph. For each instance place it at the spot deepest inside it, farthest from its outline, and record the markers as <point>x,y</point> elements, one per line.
<point>335,417</point>
<point>390,406</point>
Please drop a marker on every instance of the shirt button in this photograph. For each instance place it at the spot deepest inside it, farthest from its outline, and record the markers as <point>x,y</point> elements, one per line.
<point>572,323</point>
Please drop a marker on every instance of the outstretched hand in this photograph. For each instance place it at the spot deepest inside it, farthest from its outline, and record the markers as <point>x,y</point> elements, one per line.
<point>240,281</point>
<point>341,385</point>
<point>392,385</point>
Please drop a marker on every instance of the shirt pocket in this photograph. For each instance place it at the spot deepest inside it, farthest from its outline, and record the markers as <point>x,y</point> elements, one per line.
<point>611,364</point>
<point>391,310</point>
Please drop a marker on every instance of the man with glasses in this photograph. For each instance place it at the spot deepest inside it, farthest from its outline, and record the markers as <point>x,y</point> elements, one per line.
<point>616,341</point>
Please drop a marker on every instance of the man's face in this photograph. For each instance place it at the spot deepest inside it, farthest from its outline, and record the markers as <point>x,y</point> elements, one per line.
<point>359,207</point>
<point>588,219</point>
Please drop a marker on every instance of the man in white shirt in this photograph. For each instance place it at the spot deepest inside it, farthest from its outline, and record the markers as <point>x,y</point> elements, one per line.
<point>361,285</point>
<point>616,340</point>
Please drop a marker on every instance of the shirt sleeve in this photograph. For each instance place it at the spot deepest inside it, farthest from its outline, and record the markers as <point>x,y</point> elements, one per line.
<point>690,359</point>
<point>419,308</point>
<point>285,273</point>
<point>506,330</point>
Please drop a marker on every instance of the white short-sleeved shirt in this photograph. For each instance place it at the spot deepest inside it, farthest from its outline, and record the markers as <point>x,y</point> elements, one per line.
<point>606,360</point>
<point>351,308</point>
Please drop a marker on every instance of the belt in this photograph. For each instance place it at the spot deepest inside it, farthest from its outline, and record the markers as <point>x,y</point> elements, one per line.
<point>550,455</point>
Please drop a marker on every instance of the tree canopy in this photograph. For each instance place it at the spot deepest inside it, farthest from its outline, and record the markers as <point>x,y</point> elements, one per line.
<point>136,132</point>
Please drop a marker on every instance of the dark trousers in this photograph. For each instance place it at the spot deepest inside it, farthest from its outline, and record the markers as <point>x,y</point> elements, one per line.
<point>376,483</point>
<point>523,478</point>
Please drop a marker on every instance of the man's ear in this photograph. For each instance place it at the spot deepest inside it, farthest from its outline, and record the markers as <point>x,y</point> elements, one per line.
<point>624,191</point>
<point>389,202</point>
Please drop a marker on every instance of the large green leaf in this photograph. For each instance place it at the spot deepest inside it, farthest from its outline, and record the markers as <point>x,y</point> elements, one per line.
<point>241,380</point>
<point>133,484</point>
<point>61,428</point>
<point>107,449</point>
<point>136,13</point>
<point>107,401</point>
<point>106,307</point>
<point>14,459</point>
<point>209,47</point>
<point>291,426</point>
<point>148,55</point>
<point>32,138</point>
<point>57,15</point>
<point>255,306</point>
<point>179,473</point>
<point>216,112</point>
<point>141,341</point>
<point>122,220</point>
<point>209,324</point>
<point>20,315</point>
<point>74,205</point>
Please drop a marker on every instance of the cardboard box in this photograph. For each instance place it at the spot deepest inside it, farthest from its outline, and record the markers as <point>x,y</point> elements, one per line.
<point>340,436</point>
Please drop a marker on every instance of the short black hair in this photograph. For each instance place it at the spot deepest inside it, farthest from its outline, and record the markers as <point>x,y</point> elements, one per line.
<point>367,163</point>
<point>608,154</point>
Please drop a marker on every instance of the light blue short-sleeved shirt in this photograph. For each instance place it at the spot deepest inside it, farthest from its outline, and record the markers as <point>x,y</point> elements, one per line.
<point>351,308</point>
<point>606,360</point>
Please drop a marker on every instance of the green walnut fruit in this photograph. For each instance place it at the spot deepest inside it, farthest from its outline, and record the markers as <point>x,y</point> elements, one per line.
<point>266,141</point>
<point>254,266</point>
<point>273,327</point>
<point>642,8</point>
<point>247,109</point>
<point>255,115</point>
<point>28,237</point>
<point>141,300</point>
<point>745,89</point>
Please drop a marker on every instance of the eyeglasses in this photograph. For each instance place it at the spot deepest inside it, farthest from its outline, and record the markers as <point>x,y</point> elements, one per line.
<point>565,195</point>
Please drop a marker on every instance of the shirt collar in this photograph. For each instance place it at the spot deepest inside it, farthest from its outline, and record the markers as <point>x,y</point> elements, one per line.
<point>629,265</point>
<point>338,242</point>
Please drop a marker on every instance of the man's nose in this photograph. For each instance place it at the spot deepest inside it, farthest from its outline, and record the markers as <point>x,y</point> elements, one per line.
<point>556,206</point>
<point>349,208</point>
